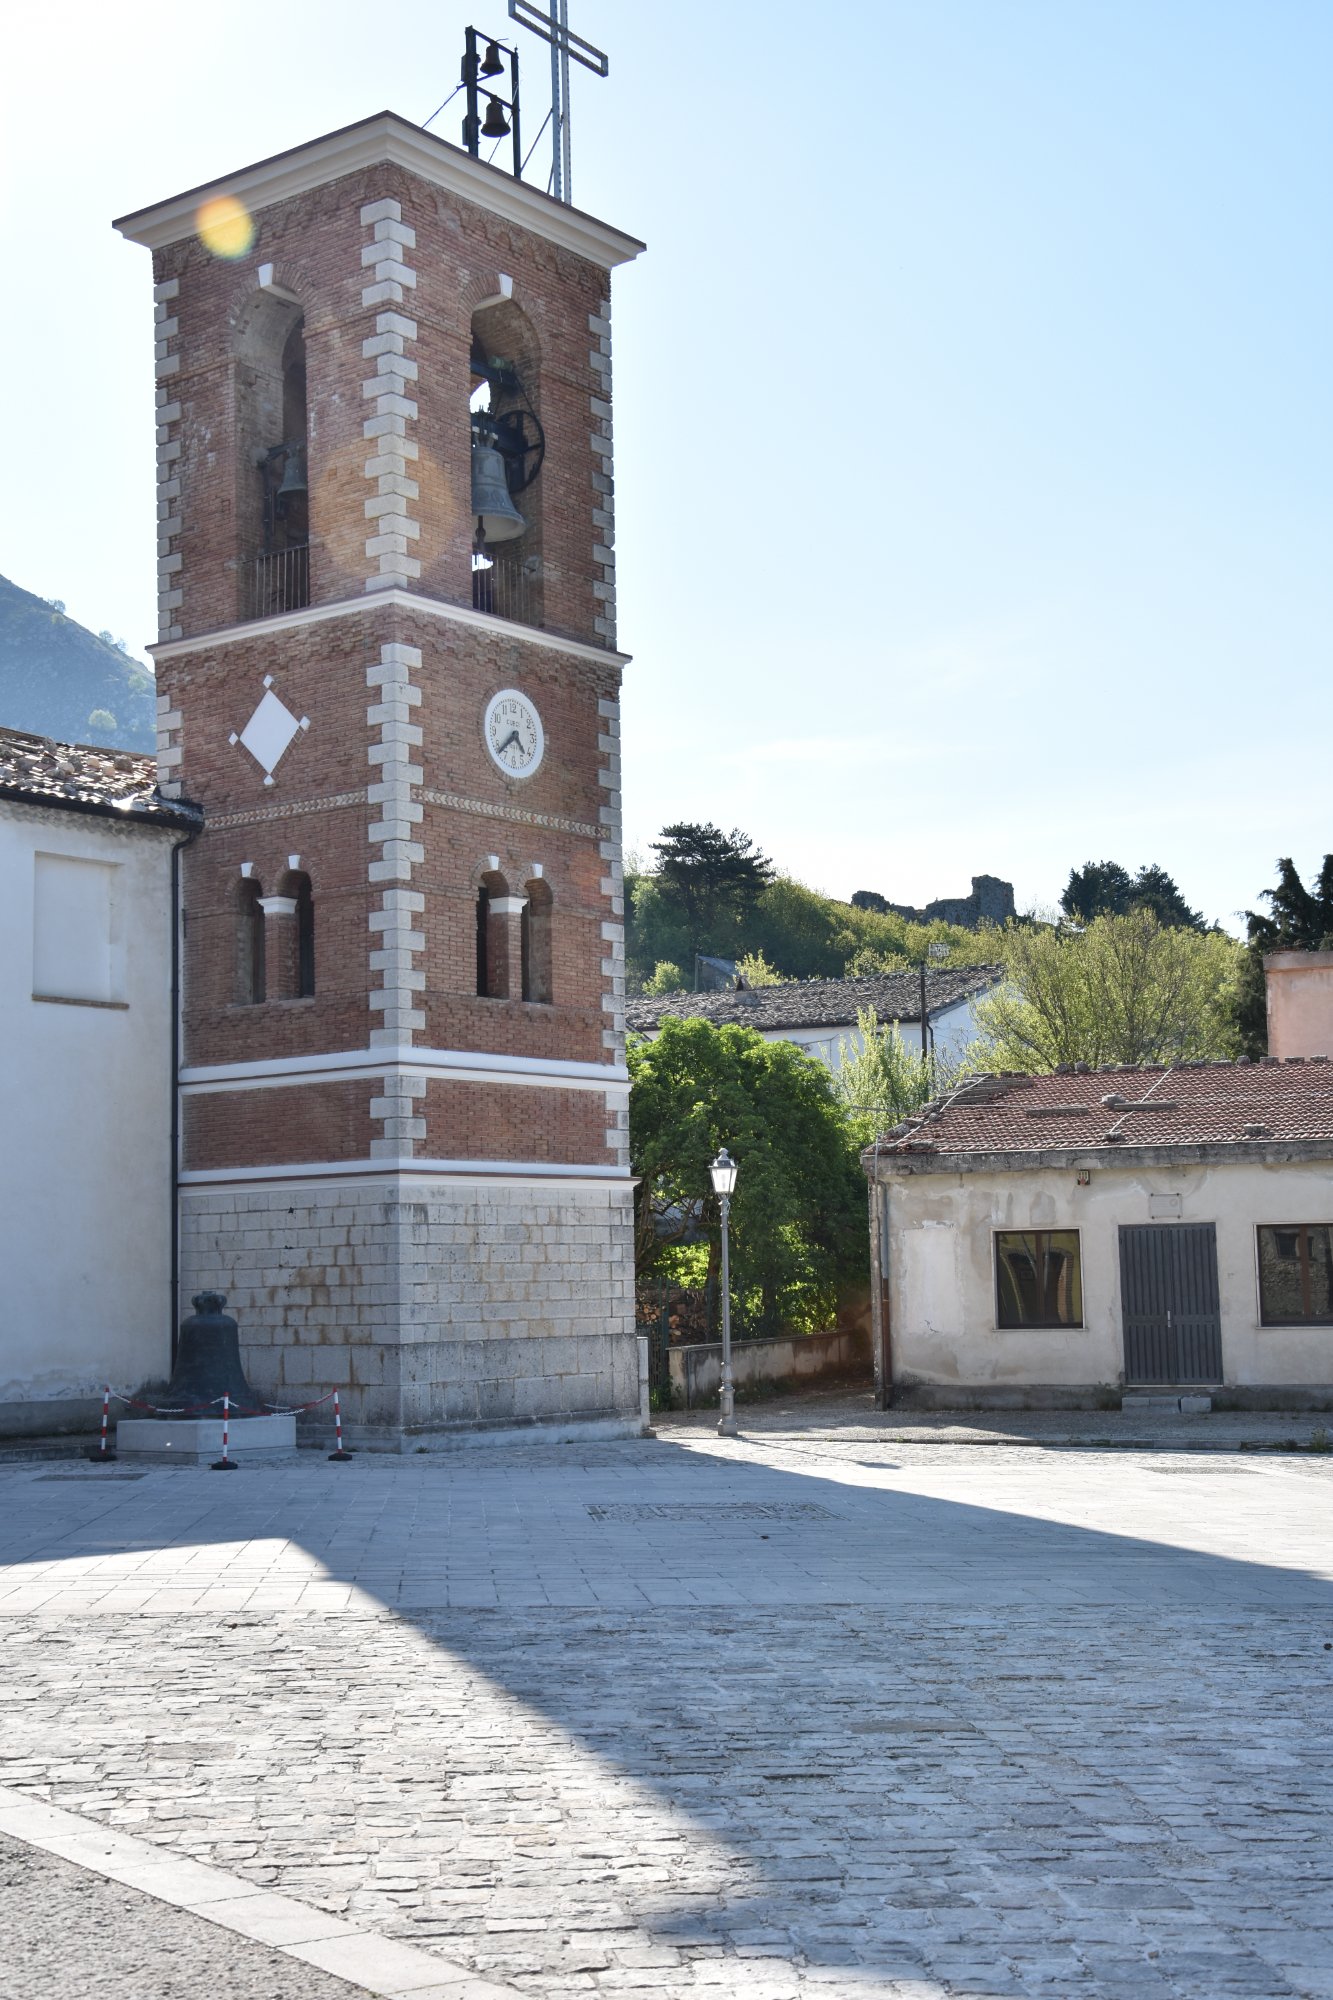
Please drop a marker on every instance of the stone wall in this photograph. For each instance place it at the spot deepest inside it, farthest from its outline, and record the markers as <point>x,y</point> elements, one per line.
<point>991,902</point>
<point>696,1371</point>
<point>428,1303</point>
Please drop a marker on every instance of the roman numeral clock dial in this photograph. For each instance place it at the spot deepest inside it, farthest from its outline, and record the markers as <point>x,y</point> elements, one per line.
<point>514,734</point>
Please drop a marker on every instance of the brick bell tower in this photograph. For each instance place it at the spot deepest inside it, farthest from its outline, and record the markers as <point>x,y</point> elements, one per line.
<point>387,670</point>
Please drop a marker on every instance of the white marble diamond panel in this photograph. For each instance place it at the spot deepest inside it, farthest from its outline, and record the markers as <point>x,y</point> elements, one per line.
<point>269,732</point>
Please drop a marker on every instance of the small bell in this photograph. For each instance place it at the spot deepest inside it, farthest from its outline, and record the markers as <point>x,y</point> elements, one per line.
<point>492,63</point>
<point>494,125</point>
<point>497,518</point>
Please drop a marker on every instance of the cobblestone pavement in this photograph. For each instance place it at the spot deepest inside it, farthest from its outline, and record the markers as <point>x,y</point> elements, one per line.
<point>849,1413</point>
<point>815,1712</point>
<point>66,1933</point>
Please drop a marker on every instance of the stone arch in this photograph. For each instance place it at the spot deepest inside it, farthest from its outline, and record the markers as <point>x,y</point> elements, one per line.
<point>271,402</point>
<point>492,895</point>
<point>251,951</point>
<point>536,941</point>
<point>505,404</point>
<point>299,948</point>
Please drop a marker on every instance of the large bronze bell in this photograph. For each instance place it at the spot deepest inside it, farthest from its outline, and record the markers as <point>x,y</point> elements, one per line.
<point>208,1359</point>
<point>497,518</point>
<point>293,485</point>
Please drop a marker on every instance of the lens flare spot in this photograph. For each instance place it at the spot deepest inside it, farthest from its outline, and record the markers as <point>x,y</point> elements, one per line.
<point>225,226</point>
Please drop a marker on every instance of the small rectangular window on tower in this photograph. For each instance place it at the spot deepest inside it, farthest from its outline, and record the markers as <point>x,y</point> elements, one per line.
<point>76,943</point>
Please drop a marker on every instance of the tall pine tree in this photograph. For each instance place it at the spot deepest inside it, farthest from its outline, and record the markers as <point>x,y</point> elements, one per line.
<point>1298,919</point>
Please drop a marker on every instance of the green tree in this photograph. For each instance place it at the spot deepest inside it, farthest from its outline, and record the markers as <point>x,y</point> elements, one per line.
<point>868,963</point>
<point>755,970</point>
<point>1104,888</point>
<point>714,877</point>
<point>879,1080</point>
<point>1298,919</point>
<point>655,932</point>
<point>1156,892</point>
<point>798,1215</point>
<point>800,933</point>
<point>1126,989</point>
<point>666,978</point>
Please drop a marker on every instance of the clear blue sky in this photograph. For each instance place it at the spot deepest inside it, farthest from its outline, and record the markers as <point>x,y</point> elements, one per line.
<point>973,400</point>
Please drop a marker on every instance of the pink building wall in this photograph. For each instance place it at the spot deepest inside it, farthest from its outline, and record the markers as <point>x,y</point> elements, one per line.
<point>1300,1003</point>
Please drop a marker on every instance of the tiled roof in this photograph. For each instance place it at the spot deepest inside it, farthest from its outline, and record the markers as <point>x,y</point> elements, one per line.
<point>1242,1104</point>
<point>817,1003</point>
<point>75,777</point>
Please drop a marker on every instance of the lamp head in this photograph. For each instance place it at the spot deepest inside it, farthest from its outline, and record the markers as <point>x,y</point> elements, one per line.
<point>723,1170</point>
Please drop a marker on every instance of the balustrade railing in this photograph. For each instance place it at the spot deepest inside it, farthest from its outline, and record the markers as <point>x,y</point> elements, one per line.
<point>278,582</point>
<point>508,590</point>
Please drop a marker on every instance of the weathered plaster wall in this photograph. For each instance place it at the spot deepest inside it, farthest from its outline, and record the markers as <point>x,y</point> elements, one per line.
<point>1300,1003</point>
<point>941,1279</point>
<point>85,1113</point>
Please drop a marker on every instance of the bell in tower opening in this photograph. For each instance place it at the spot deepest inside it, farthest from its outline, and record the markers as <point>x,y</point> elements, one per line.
<point>507,449</point>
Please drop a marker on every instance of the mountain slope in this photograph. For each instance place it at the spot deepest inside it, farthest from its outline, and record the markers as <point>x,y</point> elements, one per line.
<point>55,676</point>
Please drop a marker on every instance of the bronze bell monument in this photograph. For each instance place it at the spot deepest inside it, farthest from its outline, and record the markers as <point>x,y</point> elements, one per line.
<point>208,1359</point>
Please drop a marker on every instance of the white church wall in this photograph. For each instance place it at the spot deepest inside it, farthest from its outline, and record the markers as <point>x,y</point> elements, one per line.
<point>85,1111</point>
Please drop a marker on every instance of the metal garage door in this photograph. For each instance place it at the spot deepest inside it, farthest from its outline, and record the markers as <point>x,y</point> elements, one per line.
<point>1169,1297</point>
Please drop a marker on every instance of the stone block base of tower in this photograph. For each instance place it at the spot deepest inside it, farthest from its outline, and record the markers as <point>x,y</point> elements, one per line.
<point>441,1309</point>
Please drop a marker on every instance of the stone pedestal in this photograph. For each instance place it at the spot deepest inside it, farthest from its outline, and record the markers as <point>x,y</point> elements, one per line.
<point>198,1440</point>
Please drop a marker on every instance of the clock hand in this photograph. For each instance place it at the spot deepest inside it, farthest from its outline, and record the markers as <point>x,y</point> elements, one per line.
<point>513,737</point>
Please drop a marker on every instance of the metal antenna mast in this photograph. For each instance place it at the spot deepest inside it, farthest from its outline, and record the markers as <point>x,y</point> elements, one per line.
<point>552,24</point>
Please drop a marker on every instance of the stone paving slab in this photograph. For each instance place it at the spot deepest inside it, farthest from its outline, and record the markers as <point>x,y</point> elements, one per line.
<point>82,1906</point>
<point>66,1932</point>
<point>807,1713</point>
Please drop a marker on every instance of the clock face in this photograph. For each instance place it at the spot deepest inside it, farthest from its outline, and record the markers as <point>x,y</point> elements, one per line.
<point>514,734</point>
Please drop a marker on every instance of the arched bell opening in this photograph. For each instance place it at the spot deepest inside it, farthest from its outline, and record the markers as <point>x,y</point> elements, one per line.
<point>251,955</point>
<point>508,446</point>
<point>273,502</point>
<point>299,981</point>
<point>536,942</point>
<point>492,956</point>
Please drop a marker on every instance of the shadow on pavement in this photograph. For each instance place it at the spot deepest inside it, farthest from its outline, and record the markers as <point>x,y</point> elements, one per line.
<point>644,1698</point>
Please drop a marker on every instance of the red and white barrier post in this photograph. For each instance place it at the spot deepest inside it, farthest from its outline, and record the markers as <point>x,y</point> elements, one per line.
<point>225,1464</point>
<point>338,1429</point>
<point>103,1455</point>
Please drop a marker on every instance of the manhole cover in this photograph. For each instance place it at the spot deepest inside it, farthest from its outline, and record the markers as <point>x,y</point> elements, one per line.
<point>722,1510</point>
<point>1197,1471</point>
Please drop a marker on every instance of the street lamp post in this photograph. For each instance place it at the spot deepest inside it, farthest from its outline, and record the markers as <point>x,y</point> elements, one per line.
<point>723,1170</point>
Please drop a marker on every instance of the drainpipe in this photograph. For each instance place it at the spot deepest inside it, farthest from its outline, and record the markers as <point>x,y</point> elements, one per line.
<point>880,1324</point>
<point>174,1163</point>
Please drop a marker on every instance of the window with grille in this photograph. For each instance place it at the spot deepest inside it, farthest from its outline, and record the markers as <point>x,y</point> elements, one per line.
<point>1296,1273</point>
<point>1038,1278</point>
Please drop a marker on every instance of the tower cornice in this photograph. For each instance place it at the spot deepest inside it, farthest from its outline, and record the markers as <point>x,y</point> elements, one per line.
<point>396,600</point>
<point>386,137</point>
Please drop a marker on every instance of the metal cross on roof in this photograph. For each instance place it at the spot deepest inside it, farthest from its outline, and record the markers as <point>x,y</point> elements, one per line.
<point>552,24</point>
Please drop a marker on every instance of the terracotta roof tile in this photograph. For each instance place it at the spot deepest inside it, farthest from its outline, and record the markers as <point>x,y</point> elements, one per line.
<point>117,784</point>
<point>817,1003</point>
<point>1190,1104</point>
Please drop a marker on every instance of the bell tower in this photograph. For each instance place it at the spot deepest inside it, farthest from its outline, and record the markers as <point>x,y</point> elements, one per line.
<point>387,670</point>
